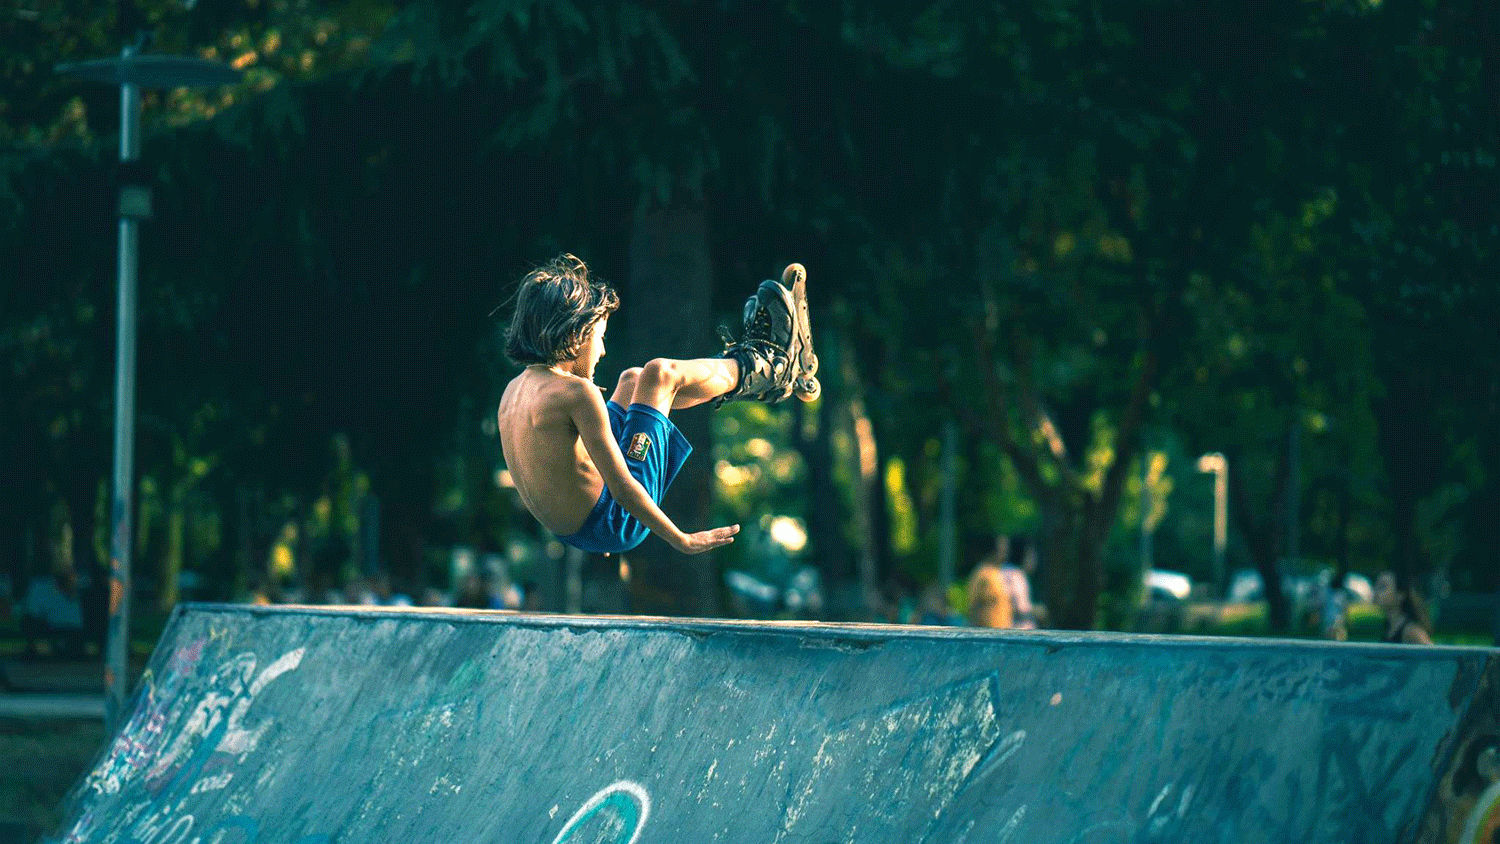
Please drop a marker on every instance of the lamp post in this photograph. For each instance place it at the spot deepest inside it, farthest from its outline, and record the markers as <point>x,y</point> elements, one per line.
<point>132,71</point>
<point>1217,464</point>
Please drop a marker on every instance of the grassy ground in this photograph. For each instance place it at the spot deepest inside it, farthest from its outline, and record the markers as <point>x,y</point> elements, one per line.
<point>43,760</point>
<point>1365,624</point>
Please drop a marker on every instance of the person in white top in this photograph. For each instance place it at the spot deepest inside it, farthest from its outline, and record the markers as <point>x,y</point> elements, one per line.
<point>1020,564</point>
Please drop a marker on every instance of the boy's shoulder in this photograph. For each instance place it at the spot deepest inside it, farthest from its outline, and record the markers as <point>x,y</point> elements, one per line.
<point>535,388</point>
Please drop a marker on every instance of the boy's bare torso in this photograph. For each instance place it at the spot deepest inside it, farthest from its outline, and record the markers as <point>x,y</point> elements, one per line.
<point>551,469</point>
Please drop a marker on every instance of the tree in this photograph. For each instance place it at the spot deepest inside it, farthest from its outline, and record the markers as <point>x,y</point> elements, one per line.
<point>1419,250</point>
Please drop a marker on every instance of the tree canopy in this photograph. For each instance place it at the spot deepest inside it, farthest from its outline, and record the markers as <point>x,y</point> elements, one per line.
<point>1094,237</point>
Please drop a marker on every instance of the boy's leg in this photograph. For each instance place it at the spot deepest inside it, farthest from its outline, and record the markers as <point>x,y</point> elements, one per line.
<point>772,361</point>
<point>624,394</point>
<point>667,384</point>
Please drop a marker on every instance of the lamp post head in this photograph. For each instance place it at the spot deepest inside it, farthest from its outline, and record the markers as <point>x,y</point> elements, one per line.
<point>153,71</point>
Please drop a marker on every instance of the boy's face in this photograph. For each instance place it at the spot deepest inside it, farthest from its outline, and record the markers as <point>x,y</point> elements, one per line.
<point>583,367</point>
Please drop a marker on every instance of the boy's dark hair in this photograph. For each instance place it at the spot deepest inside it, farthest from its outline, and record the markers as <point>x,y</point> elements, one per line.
<point>555,306</point>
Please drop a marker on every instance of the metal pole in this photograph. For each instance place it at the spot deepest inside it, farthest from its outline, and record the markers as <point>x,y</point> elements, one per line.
<point>1221,522</point>
<point>131,71</point>
<point>1218,464</point>
<point>118,630</point>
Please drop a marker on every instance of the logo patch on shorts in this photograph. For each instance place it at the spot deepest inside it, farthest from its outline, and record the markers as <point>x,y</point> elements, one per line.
<point>639,445</point>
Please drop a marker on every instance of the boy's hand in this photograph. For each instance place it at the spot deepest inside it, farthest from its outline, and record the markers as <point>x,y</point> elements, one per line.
<point>706,540</point>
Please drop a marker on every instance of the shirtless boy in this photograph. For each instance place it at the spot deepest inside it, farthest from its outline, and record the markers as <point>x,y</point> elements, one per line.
<point>594,472</point>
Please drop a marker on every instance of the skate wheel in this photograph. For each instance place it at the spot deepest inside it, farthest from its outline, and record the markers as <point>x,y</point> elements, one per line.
<point>808,389</point>
<point>793,274</point>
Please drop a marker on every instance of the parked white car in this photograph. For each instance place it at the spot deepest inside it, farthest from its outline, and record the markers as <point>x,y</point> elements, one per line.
<point>1357,585</point>
<point>1246,586</point>
<point>1163,585</point>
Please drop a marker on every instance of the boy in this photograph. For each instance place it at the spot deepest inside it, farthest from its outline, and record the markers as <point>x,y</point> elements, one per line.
<point>593,472</point>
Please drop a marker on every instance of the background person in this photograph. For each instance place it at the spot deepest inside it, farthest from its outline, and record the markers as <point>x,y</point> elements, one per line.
<point>989,599</point>
<point>1405,615</point>
<point>1332,618</point>
<point>51,613</point>
<point>1020,565</point>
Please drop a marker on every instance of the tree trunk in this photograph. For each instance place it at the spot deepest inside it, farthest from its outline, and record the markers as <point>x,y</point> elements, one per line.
<point>83,502</point>
<point>401,542</point>
<point>1262,536</point>
<point>1074,570</point>
<point>876,558</point>
<point>977,537</point>
<point>880,518</point>
<point>1078,519</point>
<point>1414,457</point>
<point>171,558</point>
<point>1341,539</point>
<point>83,512</point>
<point>1093,529</point>
<point>13,529</point>
<point>827,546</point>
<point>856,428</point>
<point>1408,561</point>
<point>666,311</point>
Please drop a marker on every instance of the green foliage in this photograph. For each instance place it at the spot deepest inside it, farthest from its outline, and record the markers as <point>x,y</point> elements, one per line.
<point>755,461</point>
<point>1081,232</point>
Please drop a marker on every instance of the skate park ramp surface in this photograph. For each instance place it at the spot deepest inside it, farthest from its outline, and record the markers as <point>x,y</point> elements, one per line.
<point>307,725</point>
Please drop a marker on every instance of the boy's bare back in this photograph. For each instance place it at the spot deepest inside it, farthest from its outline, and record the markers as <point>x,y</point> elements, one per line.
<point>551,468</point>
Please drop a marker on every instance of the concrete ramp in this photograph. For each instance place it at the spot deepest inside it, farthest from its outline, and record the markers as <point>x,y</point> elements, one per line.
<point>303,726</point>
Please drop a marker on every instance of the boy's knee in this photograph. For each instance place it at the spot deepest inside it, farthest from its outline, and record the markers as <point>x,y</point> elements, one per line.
<point>629,378</point>
<point>659,371</point>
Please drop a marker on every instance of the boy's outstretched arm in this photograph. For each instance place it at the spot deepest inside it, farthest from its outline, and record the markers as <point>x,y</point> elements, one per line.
<point>592,420</point>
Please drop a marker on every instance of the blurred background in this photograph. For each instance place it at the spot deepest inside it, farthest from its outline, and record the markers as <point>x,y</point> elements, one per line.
<point>1187,310</point>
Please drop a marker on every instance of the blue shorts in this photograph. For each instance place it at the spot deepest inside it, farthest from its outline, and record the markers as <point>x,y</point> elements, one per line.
<point>654,452</point>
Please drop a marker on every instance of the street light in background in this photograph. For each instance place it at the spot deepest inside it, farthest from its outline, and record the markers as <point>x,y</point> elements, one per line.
<point>132,71</point>
<point>1217,464</point>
